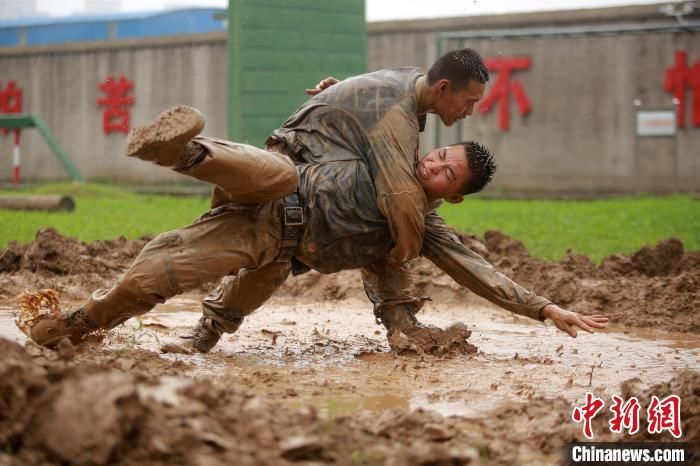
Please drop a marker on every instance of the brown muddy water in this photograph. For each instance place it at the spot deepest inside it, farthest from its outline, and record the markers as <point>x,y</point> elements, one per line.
<point>333,356</point>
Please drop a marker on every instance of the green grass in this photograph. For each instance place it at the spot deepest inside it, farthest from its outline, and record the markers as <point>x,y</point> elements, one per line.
<point>547,228</point>
<point>101,212</point>
<point>594,228</point>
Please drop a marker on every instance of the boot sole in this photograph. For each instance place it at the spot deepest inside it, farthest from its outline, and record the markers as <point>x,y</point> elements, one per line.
<point>163,140</point>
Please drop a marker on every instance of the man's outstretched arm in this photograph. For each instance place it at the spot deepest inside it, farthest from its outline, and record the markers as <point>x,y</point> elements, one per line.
<point>442,247</point>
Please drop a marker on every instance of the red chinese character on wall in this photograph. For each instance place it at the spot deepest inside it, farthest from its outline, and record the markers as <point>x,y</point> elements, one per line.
<point>501,90</point>
<point>587,412</point>
<point>665,415</point>
<point>10,100</point>
<point>679,78</point>
<point>626,415</point>
<point>115,117</point>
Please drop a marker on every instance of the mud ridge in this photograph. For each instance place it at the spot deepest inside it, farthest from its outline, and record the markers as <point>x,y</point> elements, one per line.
<point>657,286</point>
<point>59,412</point>
<point>98,407</point>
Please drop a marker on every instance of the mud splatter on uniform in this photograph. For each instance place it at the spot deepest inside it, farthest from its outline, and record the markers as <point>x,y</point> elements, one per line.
<point>372,117</point>
<point>362,205</point>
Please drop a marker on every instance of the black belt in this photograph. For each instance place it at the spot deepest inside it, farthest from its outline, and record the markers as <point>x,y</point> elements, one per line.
<point>292,216</point>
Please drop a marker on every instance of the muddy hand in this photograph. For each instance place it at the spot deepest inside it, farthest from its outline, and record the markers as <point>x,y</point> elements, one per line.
<point>566,320</point>
<point>323,84</point>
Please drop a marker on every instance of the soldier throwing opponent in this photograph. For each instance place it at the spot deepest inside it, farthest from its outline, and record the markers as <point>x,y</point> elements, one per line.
<point>270,216</point>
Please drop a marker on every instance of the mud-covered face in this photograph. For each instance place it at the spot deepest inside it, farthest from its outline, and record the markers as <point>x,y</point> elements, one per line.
<point>442,172</point>
<point>454,104</point>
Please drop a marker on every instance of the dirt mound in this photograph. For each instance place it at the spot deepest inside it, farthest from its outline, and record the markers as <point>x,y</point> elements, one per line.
<point>57,412</point>
<point>132,407</point>
<point>686,386</point>
<point>65,264</point>
<point>658,286</point>
<point>540,424</point>
<point>662,259</point>
<point>53,253</point>
<point>502,244</point>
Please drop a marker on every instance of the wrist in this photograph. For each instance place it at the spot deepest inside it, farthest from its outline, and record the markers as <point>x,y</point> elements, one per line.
<point>546,311</point>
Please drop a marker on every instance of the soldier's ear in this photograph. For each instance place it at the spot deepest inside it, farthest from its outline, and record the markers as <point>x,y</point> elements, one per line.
<point>455,199</point>
<point>442,86</point>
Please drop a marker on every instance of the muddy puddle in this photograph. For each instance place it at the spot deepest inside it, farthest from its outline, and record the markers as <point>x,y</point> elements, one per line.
<point>310,377</point>
<point>334,357</point>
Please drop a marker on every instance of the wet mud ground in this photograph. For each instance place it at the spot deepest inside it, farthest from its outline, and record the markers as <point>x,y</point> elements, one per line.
<point>310,379</point>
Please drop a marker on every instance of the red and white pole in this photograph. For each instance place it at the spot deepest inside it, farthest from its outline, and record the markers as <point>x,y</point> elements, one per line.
<point>15,158</point>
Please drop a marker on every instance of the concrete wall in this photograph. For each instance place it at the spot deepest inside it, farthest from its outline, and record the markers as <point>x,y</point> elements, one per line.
<point>60,85</point>
<point>579,138</point>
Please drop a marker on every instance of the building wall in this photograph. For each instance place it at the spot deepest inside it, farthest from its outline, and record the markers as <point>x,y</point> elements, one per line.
<point>273,60</point>
<point>60,85</point>
<point>107,26</point>
<point>579,138</point>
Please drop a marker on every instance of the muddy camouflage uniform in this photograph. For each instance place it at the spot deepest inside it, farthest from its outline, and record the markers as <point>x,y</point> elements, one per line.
<point>372,117</point>
<point>333,139</point>
<point>348,198</point>
<point>242,233</point>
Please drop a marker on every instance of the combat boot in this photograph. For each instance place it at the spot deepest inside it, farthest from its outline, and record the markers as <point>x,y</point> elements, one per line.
<point>406,333</point>
<point>203,336</point>
<point>167,139</point>
<point>399,317</point>
<point>49,330</point>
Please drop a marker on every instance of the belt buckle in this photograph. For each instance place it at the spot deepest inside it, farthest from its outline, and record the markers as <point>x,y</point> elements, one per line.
<point>293,216</point>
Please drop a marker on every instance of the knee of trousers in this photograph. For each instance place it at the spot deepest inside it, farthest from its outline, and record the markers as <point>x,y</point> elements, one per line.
<point>240,295</point>
<point>153,272</point>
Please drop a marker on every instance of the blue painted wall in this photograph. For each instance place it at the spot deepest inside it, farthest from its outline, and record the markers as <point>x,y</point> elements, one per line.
<point>37,31</point>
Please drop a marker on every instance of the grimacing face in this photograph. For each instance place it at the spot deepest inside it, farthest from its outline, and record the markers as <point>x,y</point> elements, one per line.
<point>454,104</point>
<point>442,172</point>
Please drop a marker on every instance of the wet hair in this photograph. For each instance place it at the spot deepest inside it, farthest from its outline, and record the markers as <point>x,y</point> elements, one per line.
<point>482,167</point>
<point>459,67</point>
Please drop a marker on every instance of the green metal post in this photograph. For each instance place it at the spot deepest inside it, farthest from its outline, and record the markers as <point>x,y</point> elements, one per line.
<point>33,121</point>
<point>57,149</point>
<point>16,121</point>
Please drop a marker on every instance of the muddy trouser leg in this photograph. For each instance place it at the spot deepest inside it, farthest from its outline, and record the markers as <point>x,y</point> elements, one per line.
<point>216,245</point>
<point>243,173</point>
<point>241,294</point>
<point>391,290</point>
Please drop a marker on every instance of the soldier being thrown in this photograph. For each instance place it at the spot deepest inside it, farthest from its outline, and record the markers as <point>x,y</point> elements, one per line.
<point>255,229</point>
